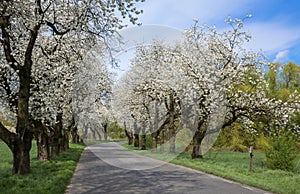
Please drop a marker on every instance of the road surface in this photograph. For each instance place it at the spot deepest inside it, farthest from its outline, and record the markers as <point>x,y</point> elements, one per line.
<point>109,168</point>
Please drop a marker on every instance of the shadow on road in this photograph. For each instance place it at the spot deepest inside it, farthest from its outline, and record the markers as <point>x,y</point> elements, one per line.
<point>93,175</point>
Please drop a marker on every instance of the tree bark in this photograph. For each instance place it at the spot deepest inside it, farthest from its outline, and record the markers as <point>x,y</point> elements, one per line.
<point>136,140</point>
<point>155,129</point>
<point>105,125</point>
<point>42,141</point>
<point>197,140</point>
<point>162,141</point>
<point>157,132</point>
<point>7,136</point>
<point>21,154</point>
<point>64,141</point>
<point>43,147</point>
<point>129,136</point>
<point>72,131</point>
<point>74,134</point>
<point>136,136</point>
<point>154,141</point>
<point>56,139</point>
<point>172,144</point>
<point>20,148</point>
<point>144,141</point>
<point>172,125</point>
<point>22,145</point>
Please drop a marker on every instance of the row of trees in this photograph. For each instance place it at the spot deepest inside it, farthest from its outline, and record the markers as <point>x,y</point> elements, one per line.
<point>43,44</point>
<point>201,85</point>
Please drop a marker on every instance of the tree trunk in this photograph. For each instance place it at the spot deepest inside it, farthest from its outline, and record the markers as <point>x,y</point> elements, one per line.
<point>144,141</point>
<point>172,125</point>
<point>56,139</point>
<point>21,154</point>
<point>197,140</point>
<point>20,148</point>
<point>43,147</point>
<point>196,153</point>
<point>155,130</point>
<point>105,131</point>
<point>172,144</point>
<point>55,146</point>
<point>156,133</point>
<point>129,136</point>
<point>68,142</point>
<point>130,140</point>
<point>93,134</point>
<point>22,145</point>
<point>64,141</point>
<point>99,135</point>
<point>162,142</point>
<point>136,140</point>
<point>42,141</point>
<point>136,135</point>
<point>74,134</point>
<point>154,141</point>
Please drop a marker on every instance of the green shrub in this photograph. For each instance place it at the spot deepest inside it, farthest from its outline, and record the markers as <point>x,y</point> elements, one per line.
<point>235,138</point>
<point>281,152</point>
<point>262,142</point>
<point>148,141</point>
<point>115,131</point>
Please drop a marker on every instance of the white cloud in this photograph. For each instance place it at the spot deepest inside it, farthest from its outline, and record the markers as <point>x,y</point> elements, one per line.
<point>281,56</point>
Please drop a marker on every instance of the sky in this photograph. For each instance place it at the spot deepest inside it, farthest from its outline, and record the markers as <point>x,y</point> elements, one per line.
<point>274,26</point>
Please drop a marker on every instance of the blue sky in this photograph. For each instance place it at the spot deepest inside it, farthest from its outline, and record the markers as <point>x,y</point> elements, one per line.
<point>275,25</point>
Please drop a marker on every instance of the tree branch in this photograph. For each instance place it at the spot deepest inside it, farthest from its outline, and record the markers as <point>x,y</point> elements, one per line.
<point>4,23</point>
<point>7,136</point>
<point>52,26</point>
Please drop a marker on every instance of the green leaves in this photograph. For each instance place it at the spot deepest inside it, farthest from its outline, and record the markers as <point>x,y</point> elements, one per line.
<point>282,152</point>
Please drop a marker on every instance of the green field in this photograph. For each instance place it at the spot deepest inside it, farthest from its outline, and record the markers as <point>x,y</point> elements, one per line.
<point>45,177</point>
<point>235,166</point>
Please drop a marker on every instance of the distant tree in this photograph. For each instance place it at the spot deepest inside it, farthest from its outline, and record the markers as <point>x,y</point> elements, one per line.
<point>291,76</point>
<point>286,79</point>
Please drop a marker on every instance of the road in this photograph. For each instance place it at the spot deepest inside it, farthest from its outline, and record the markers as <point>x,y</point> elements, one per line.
<point>109,168</point>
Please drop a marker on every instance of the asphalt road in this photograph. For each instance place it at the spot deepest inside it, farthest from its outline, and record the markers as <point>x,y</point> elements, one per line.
<point>109,168</point>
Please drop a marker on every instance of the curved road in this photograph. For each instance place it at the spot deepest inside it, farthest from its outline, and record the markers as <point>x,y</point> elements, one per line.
<point>109,168</point>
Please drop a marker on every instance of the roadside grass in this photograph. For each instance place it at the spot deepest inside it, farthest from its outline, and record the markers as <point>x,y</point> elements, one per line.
<point>235,166</point>
<point>45,177</point>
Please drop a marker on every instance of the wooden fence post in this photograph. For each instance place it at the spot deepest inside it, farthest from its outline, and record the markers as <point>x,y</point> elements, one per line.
<point>251,159</point>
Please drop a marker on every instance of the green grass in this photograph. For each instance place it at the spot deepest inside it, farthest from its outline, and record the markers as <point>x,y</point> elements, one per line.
<point>45,177</point>
<point>235,166</point>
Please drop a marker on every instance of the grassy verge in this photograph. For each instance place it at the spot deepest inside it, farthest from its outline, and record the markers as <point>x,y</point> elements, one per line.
<point>45,177</point>
<point>235,166</point>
